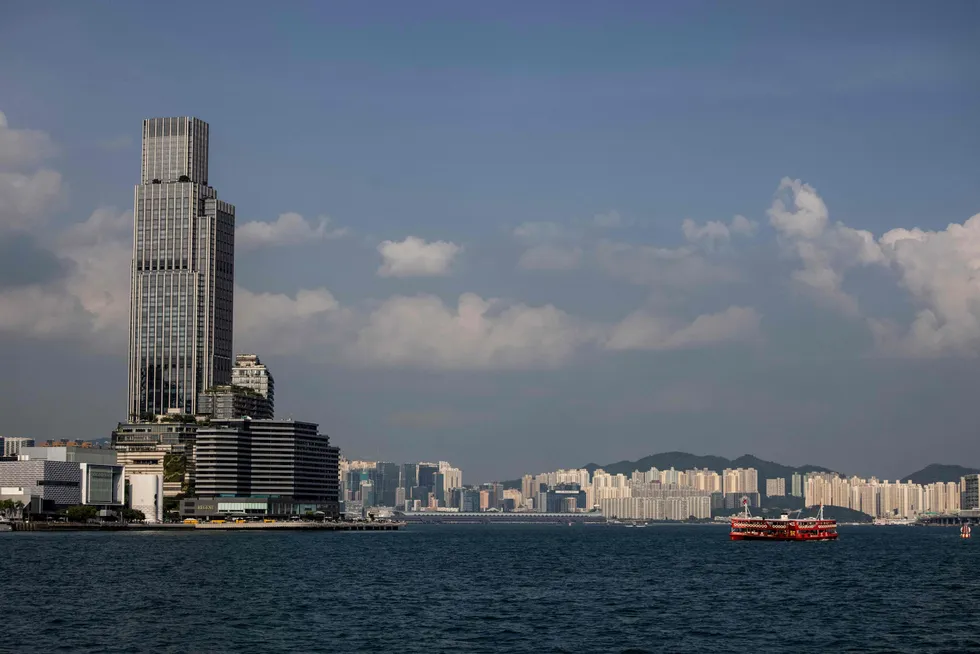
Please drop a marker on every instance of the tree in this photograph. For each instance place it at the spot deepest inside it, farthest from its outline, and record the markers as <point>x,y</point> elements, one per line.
<point>11,508</point>
<point>133,515</point>
<point>81,513</point>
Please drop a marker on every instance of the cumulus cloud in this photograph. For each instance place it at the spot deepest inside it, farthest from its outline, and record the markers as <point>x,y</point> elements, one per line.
<point>642,330</point>
<point>548,246</point>
<point>22,148</point>
<point>476,333</point>
<point>941,272</point>
<point>288,229</point>
<point>826,251</point>
<point>278,323</point>
<point>91,301</point>
<point>414,257</point>
<point>25,197</point>
<point>684,266</point>
<point>715,233</point>
<point>26,193</point>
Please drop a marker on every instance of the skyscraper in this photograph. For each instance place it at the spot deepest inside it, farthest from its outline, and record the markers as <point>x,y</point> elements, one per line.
<point>180,328</point>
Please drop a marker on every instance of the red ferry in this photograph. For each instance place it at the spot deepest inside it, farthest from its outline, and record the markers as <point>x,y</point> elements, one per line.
<point>747,527</point>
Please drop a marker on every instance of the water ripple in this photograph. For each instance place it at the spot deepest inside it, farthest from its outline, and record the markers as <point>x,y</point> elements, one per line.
<point>488,589</point>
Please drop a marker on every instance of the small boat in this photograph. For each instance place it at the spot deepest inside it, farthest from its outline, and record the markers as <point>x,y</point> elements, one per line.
<point>965,531</point>
<point>747,527</point>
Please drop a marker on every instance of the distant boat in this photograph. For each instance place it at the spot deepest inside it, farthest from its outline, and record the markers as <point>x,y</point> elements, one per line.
<point>965,531</point>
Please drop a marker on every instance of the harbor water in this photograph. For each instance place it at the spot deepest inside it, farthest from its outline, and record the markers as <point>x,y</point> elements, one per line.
<point>489,588</point>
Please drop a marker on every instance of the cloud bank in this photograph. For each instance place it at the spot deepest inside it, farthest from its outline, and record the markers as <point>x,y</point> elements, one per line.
<point>414,257</point>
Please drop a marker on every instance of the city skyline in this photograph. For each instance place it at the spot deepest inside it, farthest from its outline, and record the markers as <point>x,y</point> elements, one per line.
<point>579,233</point>
<point>649,494</point>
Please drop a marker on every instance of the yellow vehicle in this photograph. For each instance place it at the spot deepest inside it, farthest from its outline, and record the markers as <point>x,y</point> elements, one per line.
<point>268,520</point>
<point>190,521</point>
<point>239,521</point>
<point>218,522</point>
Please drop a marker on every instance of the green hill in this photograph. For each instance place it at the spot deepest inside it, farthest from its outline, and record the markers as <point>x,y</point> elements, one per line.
<point>939,472</point>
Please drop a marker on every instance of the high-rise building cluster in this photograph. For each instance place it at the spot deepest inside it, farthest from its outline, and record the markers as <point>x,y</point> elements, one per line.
<point>402,486</point>
<point>883,499</point>
<point>201,425</point>
<point>644,495</point>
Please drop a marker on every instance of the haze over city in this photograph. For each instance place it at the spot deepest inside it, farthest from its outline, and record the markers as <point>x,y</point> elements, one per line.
<point>524,239</point>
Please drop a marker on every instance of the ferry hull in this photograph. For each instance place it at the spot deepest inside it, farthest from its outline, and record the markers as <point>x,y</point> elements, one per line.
<point>783,537</point>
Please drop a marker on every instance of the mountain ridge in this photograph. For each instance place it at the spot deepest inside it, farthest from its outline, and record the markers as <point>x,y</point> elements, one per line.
<point>937,472</point>
<point>934,472</point>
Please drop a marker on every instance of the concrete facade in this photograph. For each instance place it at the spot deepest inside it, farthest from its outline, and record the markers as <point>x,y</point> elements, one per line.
<point>146,495</point>
<point>58,482</point>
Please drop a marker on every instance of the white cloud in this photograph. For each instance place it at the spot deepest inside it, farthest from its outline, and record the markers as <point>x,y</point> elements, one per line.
<point>414,257</point>
<point>22,148</point>
<point>941,272</point>
<point>277,323</point>
<point>715,233</point>
<point>288,229</point>
<point>685,266</point>
<point>92,301</point>
<point>826,251</point>
<point>25,193</point>
<point>642,330</point>
<point>24,198</point>
<point>550,257</point>
<point>548,246</point>
<point>476,334</point>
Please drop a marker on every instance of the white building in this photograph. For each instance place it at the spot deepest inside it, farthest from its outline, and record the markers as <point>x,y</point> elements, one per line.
<point>12,446</point>
<point>651,508</point>
<point>740,480</point>
<point>882,499</point>
<point>776,487</point>
<point>146,495</point>
<point>452,477</point>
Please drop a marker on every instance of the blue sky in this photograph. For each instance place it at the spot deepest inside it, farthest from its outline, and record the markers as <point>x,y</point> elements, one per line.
<point>460,123</point>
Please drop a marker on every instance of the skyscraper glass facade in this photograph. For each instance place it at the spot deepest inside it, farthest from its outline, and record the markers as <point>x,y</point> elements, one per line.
<point>181,297</point>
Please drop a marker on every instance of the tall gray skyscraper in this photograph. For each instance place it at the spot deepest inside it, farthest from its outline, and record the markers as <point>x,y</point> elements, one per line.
<point>180,326</point>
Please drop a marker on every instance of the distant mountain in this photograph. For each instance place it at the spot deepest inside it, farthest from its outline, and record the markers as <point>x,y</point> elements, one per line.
<point>939,472</point>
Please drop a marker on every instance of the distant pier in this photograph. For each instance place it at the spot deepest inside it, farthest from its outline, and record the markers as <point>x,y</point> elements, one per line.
<point>219,526</point>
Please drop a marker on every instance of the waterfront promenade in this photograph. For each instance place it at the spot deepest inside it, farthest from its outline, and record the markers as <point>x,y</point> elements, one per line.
<point>214,526</point>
